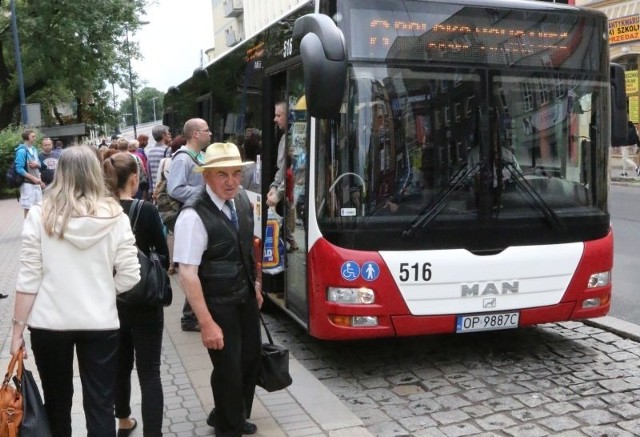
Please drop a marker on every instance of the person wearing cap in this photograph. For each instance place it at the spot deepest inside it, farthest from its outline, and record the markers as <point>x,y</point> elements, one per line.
<point>214,247</point>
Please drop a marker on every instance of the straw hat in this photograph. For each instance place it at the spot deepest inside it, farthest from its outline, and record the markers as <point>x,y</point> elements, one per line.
<point>220,155</point>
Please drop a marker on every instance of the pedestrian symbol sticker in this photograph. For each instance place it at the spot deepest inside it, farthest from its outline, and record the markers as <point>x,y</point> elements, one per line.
<point>370,271</point>
<point>350,270</point>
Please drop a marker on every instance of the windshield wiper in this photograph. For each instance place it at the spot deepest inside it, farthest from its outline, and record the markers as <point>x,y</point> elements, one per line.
<point>433,209</point>
<point>534,199</point>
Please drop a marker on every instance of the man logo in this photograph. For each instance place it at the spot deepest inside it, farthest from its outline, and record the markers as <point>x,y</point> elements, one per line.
<point>489,303</point>
<point>489,288</point>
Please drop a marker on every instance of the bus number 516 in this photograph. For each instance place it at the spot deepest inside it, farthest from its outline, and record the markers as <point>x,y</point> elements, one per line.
<point>415,272</point>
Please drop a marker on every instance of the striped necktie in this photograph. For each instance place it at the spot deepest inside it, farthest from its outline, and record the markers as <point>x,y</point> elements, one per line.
<point>233,215</point>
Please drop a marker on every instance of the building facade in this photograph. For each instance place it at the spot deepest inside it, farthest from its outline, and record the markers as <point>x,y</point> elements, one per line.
<point>235,20</point>
<point>624,43</point>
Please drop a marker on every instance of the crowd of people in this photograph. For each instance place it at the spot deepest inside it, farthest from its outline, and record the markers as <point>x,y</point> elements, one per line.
<point>77,204</point>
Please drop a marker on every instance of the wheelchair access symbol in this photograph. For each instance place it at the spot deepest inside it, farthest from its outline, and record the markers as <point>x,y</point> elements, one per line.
<point>350,270</point>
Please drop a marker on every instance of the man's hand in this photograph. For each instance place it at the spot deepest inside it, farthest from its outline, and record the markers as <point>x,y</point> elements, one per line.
<point>272,197</point>
<point>212,336</point>
<point>259,297</point>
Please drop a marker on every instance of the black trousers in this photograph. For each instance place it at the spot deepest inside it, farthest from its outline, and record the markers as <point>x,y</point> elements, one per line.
<point>235,366</point>
<point>97,360</point>
<point>141,335</point>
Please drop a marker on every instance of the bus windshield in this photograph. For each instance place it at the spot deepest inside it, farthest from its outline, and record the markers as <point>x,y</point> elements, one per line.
<point>450,147</point>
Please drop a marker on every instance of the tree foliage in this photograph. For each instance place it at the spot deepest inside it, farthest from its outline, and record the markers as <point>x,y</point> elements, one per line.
<point>70,50</point>
<point>145,99</point>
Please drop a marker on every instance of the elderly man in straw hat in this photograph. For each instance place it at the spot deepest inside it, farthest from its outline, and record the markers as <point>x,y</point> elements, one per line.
<point>214,247</point>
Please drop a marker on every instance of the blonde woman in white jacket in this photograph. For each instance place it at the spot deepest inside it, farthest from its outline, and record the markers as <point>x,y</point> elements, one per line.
<point>77,253</point>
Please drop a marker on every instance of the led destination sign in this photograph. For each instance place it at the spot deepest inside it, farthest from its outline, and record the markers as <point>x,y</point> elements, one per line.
<point>466,34</point>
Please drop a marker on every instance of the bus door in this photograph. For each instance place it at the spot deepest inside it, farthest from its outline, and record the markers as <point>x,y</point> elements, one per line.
<point>289,289</point>
<point>295,198</point>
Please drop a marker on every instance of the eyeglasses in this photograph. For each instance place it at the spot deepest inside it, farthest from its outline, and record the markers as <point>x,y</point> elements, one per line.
<point>203,130</point>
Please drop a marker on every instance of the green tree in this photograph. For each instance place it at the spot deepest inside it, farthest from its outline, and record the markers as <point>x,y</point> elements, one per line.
<point>145,99</point>
<point>70,51</point>
<point>148,100</point>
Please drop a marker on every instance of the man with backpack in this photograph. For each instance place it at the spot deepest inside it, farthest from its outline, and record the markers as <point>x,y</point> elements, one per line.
<point>156,152</point>
<point>185,185</point>
<point>28,166</point>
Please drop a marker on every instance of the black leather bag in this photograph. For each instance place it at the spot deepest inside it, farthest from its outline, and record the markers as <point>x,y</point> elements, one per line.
<point>154,287</point>
<point>34,418</point>
<point>274,365</point>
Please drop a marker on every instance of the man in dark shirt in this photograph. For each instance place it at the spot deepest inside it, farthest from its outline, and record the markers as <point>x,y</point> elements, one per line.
<point>48,160</point>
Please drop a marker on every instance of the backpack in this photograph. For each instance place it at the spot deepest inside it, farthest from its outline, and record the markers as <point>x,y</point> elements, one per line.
<point>142,173</point>
<point>168,207</point>
<point>13,179</point>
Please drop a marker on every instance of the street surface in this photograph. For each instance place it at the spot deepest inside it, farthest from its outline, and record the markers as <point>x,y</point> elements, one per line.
<point>566,379</point>
<point>624,206</point>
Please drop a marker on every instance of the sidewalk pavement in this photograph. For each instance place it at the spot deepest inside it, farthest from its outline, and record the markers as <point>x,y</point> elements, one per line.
<point>306,408</point>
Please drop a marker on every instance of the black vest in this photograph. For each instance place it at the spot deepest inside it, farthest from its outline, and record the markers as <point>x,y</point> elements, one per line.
<point>227,269</point>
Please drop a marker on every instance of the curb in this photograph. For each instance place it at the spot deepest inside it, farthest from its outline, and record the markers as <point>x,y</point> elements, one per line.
<point>620,327</point>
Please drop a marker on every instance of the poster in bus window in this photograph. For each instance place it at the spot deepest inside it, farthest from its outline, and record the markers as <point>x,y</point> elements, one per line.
<point>298,137</point>
<point>273,252</point>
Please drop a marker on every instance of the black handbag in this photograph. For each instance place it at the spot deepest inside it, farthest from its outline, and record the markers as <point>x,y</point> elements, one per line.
<point>274,365</point>
<point>34,417</point>
<point>154,287</point>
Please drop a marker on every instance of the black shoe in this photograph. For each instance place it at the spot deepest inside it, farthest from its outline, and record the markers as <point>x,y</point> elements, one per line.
<point>191,327</point>
<point>3,296</point>
<point>249,428</point>
<point>210,418</point>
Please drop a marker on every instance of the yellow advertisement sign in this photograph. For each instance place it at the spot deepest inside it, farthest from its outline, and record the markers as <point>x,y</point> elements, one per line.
<point>624,29</point>
<point>631,81</point>
<point>633,109</point>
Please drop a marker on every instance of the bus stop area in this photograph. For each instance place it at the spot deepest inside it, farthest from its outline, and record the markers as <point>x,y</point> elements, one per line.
<point>514,395</point>
<point>306,408</point>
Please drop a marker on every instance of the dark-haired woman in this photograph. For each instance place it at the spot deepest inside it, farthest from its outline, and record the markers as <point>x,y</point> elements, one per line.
<point>140,326</point>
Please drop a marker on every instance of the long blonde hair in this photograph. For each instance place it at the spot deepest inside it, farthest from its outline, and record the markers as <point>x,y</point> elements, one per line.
<point>78,189</point>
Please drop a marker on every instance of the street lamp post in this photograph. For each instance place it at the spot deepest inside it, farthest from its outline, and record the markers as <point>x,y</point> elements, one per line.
<point>16,47</point>
<point>133,102</point>
<point>115,108</point>
<point>153,99</point>
<point>134,111</point>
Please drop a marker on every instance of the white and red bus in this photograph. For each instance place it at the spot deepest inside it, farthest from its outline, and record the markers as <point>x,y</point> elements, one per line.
<point>449,160</point>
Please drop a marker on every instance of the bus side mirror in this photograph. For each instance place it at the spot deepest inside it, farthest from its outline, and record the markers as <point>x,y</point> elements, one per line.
<point>324,61</point>
<point>618,107</point>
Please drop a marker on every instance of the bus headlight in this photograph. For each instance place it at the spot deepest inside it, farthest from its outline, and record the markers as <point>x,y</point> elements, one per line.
<point>351,296</point>
<point>599,279</point>
<point>353,321</point>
